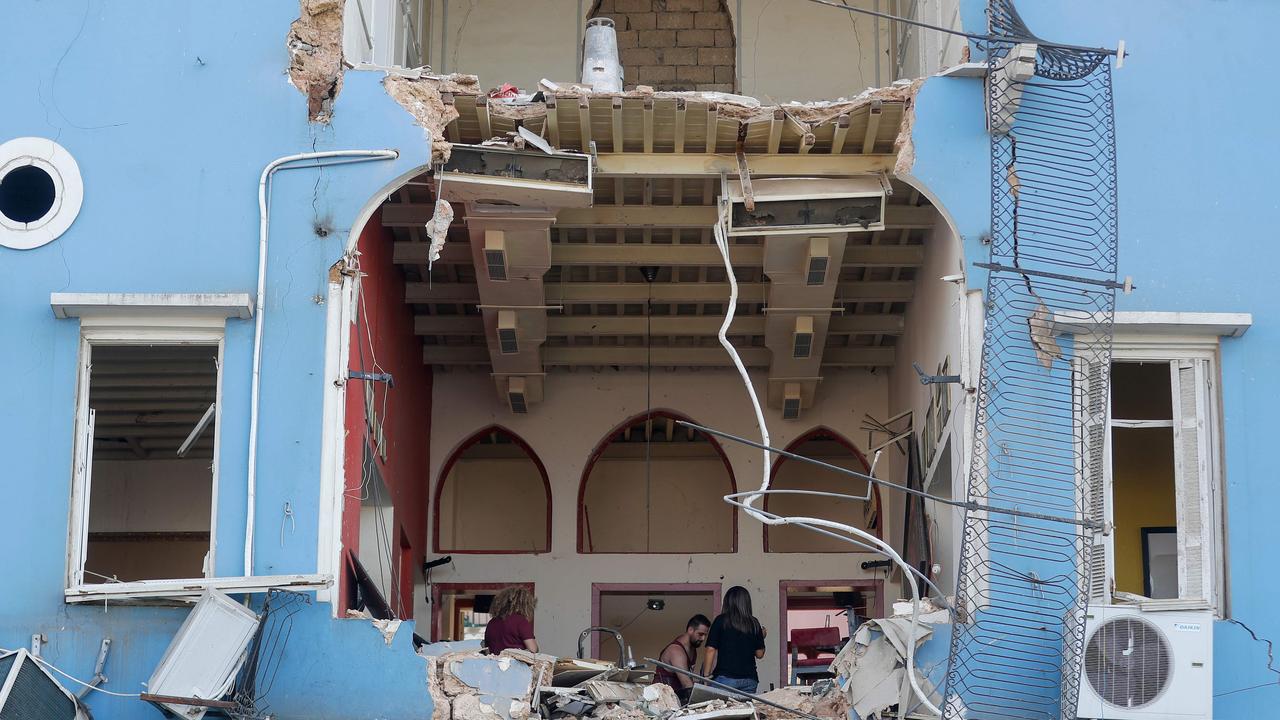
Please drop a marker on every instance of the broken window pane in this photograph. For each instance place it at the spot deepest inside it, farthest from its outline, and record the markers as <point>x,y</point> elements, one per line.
<point>1140,391</point>
<point>150,506</point>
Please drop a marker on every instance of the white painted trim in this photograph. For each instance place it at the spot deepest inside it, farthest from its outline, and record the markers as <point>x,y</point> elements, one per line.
<point>144,329</point>
<point>333,435</point>
<point>68,191</point>
<point>1197,324</point>
<point>136,306</point>
<point>194,587</point>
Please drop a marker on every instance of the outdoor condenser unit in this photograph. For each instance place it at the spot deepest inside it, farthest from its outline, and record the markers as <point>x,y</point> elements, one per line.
<point>206,653</point>
<point>795,206</point>
<point>516,396</point>
<point>1146,665</point>
<point>28,690</point>
<point>496,175</point>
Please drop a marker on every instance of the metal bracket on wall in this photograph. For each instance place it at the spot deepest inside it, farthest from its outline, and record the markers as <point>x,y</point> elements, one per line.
<point>934,379</point>
<point>372,377</point>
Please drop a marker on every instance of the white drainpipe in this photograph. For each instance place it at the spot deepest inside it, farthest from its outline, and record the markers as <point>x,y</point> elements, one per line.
<point>264,189</point>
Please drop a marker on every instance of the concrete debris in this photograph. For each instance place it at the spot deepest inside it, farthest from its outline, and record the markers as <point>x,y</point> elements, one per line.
<point>873,664</point>
<point>422,97</point>
<point>715,709</point>
<point>438,229</point>
<point>822,699</point>
<point>315,56</point>
<point>904,146</point>
<point>1040,326</point>
<point>388,628</point>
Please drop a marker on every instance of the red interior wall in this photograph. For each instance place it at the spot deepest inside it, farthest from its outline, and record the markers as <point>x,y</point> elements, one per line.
<point>385,320</point>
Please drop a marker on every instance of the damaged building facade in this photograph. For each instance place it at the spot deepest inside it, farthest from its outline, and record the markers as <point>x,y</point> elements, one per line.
<point>357,313</point>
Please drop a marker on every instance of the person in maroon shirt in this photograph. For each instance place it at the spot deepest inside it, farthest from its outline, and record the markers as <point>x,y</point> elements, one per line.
<point>511,621</point>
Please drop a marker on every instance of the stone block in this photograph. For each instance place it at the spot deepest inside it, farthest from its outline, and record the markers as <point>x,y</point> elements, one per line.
<point>642,21</point>
<point>651,74</point>
<point>675,20</point>
<point>711,21</point>
<point>724,38</point>
<point>724,74</point>
<point>696,38</point>
<point>715,56</point>
<point>679,56</point>
<point>696,73</point>
<point>656,38</point>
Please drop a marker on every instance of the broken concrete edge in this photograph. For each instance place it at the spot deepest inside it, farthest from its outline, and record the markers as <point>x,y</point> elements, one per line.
<point>422,97</point>
<point>904,146</point>
<point>315,55</point>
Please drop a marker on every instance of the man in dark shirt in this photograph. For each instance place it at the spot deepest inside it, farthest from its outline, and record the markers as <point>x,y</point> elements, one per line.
<point>682,652</point>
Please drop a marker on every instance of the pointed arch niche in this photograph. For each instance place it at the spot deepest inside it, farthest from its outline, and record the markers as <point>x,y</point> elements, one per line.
<point>830,447</point>
<point>493,496</point>
<point>676,507</point>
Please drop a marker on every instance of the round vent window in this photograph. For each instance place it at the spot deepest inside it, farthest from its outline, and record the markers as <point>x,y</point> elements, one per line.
<point>40,192</point>
<point>1127,662</point>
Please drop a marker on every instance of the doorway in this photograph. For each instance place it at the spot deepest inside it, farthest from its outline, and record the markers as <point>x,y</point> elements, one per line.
<point>810,604</point>
<point>460,611</point>
<point>649,615</point>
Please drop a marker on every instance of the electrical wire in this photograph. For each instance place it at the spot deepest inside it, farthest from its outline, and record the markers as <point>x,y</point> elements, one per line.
<point>73,678</point>
<point>722,242</point>
<point>950,31</point>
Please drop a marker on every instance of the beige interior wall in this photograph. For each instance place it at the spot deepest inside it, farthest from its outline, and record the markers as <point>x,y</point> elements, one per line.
<point>579,409</point>
<point>646,631</point>
<point>795,475</point>
<point>685,511</point>
<point>514,42</point>
<point>788,50</point>
<point>494,504</point>
<point>149,496</point>
<point>934,329</point>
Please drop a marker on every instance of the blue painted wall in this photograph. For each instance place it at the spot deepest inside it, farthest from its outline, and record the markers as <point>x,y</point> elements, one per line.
<point>172,110</point>
<point>1195,116</point>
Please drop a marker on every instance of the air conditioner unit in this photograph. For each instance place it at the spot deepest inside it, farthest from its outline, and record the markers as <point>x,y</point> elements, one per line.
<point>802,340</point>
<point>791,401</point>
<point>517,396</point>
<point>802,206</point>
<point>205,654</point>
<point>495,254</point>
<point>819,258</point>
<point>1144,665</point>
<point>508,343</point>
<point>28,690</point>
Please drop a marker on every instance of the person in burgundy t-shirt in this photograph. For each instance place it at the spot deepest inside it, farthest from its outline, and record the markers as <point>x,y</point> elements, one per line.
<point>511,621</point>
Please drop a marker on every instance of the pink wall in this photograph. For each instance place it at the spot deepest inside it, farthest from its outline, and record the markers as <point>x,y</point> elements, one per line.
<point>406,419</point>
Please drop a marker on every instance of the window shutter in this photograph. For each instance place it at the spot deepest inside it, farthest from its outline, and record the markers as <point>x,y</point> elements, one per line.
<point>1094,478</point>
<point>84,480</point>
<point>1192,473</point>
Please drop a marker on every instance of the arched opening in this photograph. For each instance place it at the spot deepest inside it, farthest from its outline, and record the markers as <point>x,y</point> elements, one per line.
<point>493,497</point>
<point>832,448</point>
<point>652,486</point>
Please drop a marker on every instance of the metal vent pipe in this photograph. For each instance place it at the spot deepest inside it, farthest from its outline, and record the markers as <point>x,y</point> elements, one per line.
<point>601,68</point>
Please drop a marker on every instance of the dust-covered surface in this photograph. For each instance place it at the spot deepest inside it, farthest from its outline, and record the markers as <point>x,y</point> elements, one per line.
<point>315,55</point>
<point>423,97</point>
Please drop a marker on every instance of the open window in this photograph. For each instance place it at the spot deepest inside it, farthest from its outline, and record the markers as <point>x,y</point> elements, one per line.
<point>817,618</point>
<point>1163,479</point>
<point>834,449</point>
<point>493,497</point>
<point>653,486</point>
<point>146,459</point>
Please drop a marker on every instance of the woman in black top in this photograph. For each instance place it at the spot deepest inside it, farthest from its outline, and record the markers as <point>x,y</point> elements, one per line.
<point>734,644</point>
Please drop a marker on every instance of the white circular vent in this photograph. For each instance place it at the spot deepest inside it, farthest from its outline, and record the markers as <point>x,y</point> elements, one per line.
<point>40,192</point>
<point>1127,661</point>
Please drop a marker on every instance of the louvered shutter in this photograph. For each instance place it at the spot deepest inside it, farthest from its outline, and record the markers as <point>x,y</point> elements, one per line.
<point>1094,414</point>
<point>1193,479</point>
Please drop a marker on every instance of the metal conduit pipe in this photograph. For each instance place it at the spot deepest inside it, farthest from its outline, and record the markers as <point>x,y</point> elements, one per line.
<point>264,223</point>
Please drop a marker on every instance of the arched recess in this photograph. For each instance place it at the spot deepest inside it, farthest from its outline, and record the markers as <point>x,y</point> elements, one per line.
<point>493,496</point>
<point>673,502</point>
<point>830,447</point>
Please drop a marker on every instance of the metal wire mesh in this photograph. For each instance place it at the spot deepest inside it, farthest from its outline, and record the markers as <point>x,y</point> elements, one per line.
<point>258,674</point>
<point>1041,402</point>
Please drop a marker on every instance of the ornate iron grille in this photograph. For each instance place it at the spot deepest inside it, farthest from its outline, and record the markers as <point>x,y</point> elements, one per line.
<point>1024,583</point>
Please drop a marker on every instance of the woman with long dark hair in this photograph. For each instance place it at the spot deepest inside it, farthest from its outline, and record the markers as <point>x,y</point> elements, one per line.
<point>734,644</point>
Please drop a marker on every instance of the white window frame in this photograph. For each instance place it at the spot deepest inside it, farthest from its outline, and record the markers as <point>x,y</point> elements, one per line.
<point>1200,353</point>
<point>151,318</point>
<point>119,332</point>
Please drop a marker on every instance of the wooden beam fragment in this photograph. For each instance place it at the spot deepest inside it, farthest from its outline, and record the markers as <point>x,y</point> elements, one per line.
<point>873,126</point>
<point>841,132</point>
<point>681,110</point>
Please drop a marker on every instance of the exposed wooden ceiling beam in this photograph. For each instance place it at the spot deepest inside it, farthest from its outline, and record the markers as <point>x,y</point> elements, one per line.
<point>415,215</point>
<point>761,164</point>
<point>688,292</point>
<point>664,325</point>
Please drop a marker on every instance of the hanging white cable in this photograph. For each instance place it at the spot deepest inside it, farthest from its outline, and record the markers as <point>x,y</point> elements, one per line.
<point>748,505</point>
<point>264,224</point>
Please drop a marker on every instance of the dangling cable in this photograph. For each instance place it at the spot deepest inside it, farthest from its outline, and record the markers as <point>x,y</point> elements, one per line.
<point>722,242</point>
